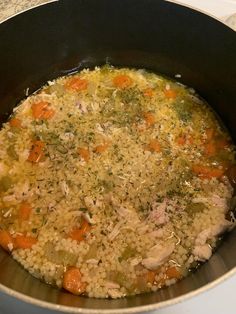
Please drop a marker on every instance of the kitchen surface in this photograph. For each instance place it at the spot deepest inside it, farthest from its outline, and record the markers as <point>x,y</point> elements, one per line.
<point>217,300</point>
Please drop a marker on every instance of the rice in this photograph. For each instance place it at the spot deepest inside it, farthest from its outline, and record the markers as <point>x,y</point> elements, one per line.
<point>108,177</point>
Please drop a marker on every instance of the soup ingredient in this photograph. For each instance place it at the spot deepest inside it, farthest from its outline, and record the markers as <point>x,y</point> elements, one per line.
<point>114,182</point>
<point>72,281</point>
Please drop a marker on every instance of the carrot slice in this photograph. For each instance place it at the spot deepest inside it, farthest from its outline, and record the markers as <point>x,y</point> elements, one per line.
<point>15,122</point>
<point>149,118</point>
<point>84,153</point>
<point>148,92</point>
<point>150,276</point>
<point>37,152</point>
<point>170,93</point>
<point>210,149</point>
<point>72,281</point>
<point>76,84</point>
<point>173,272</point>
<point>25,211</point>
<point>153,146</point>
<point>42,110</point>
<point>210,133</point>
<point>205,172</point>
<point>78,234</point>
<point>6,241</point>
<point>122,81</point>
<point>181,140</point>
<point>24,242</point>
<point>101,148</point>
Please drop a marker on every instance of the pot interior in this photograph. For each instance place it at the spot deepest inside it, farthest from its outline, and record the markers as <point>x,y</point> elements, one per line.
<point>65,36</point>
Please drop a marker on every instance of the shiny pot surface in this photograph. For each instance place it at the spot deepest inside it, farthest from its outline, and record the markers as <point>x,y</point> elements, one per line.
<point>58,38</point>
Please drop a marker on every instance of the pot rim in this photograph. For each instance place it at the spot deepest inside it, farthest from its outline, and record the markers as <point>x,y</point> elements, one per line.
<point>136,309</point>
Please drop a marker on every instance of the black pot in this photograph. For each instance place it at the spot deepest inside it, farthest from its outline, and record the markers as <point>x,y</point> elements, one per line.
<point>64,36</point>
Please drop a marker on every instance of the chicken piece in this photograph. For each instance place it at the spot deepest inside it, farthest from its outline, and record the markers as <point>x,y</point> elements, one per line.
<point>214,200</point>
<point>115,293</point>
<point>158,255</point>
<point>158,213</point>
<point>220,202</point>
<point>202,252</point>
<point>212,232</point>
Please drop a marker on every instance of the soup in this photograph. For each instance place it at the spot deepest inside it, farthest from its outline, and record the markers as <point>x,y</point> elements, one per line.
<point>113,182</point>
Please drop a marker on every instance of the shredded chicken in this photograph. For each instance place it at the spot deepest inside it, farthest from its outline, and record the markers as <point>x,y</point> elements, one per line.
<point>115,293</point>
<point>202,252</point>
<point>157,255</point>
<point>158,214</point>
<point>212,232</point>
<point>111,285</point>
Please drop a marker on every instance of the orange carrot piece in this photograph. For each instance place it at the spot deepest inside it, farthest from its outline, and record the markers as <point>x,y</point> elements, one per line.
<point>205,172</point>
<point>15,122</point>
<point>42,110</point>
<point>149,118</point>
<point>190,139</point>
<point>148,92</point>
<point>84,153</point>
<point>210,132</point>
<point>170,93</point>
<point>122,81</point>
<point>150,276</point>
<point>173,272</point>
<point>24,242</point>
<point>153,146</point>
<point>78,234</point>
<point>210,149</point>
<point>101,148</point>
<point>6,241</point>
<point>76,84</point>
<point>37,152</point>
<point>72,281</point>
<point>25,211</point>
<point>181,140</point>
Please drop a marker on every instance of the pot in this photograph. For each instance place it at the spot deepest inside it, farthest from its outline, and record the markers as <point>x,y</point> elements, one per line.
<point>65,36</point>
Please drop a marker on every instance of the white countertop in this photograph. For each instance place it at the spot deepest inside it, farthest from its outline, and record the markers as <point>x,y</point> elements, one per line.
<point>221,299</point>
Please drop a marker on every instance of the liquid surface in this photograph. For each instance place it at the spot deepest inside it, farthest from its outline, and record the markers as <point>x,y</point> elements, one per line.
<point>113,182</point>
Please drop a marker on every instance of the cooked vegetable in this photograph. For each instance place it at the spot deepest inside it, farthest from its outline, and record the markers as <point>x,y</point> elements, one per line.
<point>76,84</point>
<point>15,122</point>
<point>173,272</point>
<point>122,81</point>
<point>170,93</point>
<point>12,153</point>
<point>149,118</point>
<point>128,253</point>
<point>25,211</point>
<point>6,241</point>
<point>153,146</point>
<point>205,172</point>
<point>72,281</point>
<point>5,183</point>
<point>42,110</point>
<point>84,153</point>
<point>60,257</point>
<point>37,152</point>
<point>112,181</point>
<point>101,148</point>
<point>24,242</point>
<point>148,92</point>
<point>79,234</point>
